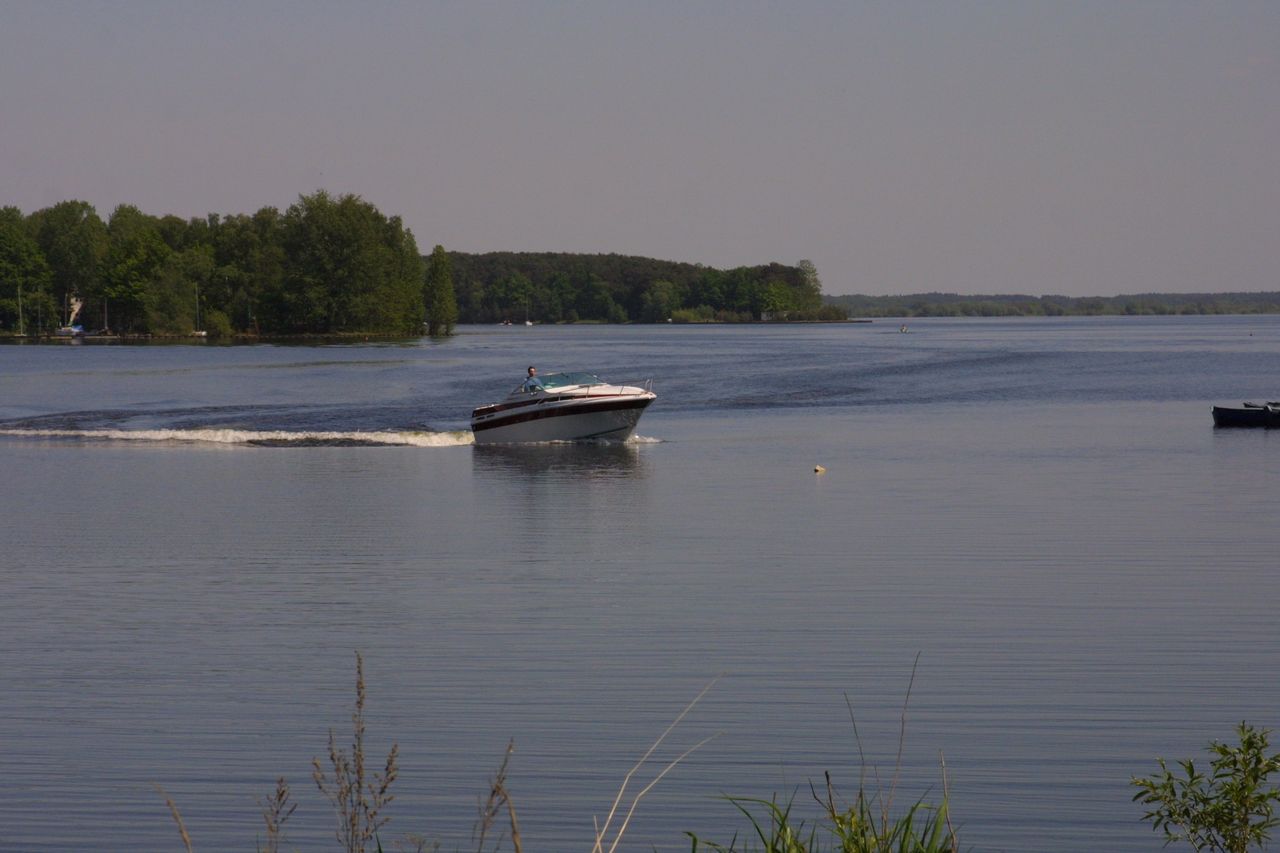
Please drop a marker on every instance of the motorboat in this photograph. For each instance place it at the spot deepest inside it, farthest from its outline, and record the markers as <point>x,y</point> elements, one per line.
<point>563,407</point>
<point>1265,415</point>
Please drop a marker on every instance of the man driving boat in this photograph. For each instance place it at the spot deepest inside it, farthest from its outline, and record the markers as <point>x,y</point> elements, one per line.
<point>532,383</point>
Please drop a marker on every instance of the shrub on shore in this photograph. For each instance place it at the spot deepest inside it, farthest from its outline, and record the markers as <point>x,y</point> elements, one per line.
<point>1229,810</point>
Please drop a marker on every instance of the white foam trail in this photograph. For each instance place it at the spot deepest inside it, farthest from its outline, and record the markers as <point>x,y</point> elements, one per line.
<point>243,436</point>
<point>643,439</point>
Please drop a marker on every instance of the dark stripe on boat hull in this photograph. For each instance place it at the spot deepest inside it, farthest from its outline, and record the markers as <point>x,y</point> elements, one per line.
<point>534,401</point>
<point>611,419</point>
<point>564,411</point>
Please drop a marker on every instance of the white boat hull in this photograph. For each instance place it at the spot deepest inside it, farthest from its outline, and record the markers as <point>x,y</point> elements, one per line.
<point>599,416</point>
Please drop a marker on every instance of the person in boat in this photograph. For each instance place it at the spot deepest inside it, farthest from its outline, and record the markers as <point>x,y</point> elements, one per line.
<point>532,382</point>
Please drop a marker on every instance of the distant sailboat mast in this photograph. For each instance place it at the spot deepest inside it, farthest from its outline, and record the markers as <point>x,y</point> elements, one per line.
<point>199,332</point>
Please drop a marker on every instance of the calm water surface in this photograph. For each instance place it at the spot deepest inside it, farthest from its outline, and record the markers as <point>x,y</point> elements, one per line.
<point>197,539</point>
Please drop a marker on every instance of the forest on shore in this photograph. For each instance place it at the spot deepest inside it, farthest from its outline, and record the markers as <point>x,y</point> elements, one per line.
<point>325,265</point>
<point>557,287</point>
<point>1015,305</point>
<point>335,265</point>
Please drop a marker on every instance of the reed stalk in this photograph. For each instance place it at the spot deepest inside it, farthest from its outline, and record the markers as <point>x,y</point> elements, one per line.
<point>177,817</point>
<point>276,809</point>
<point>492,808</point>
<point>603,831</point>
<point>358,798</point>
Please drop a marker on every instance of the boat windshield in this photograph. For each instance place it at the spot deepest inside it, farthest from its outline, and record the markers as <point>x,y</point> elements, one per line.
<point>560,380</point>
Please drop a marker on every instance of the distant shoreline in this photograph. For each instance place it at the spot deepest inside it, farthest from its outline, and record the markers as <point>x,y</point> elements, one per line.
<point>358,337</point>
<point>1021,305</point>
<point>348,337</point>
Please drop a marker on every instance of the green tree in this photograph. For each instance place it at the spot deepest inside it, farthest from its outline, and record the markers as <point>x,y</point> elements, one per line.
<point>174,232</point>
<point>560,296</point>
<point>347,268</point>
<point>659,302</point>
<point>809,292</point>
<point>135,252</point>
<point>508,296</point>
<point>180,283</point>
<point>776,301</point>
<point>594,301</point>
<point>248,282</point>
<point>441,301</point>
<point>74,242</point>
<point>25,301</point>
<point>565,286</point>
<point>1229,810</point>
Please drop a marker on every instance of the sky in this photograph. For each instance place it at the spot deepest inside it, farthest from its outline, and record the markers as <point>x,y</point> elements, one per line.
<point>1075,148</point>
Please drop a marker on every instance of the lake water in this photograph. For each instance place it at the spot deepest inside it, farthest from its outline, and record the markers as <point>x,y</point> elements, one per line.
<point>197,539</point>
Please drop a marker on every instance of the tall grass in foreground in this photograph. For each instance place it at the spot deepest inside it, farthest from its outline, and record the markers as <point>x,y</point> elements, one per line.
<point>867,824</point>
<point>359,798</point>
<point>860,827</point>
<point>1230,809</point>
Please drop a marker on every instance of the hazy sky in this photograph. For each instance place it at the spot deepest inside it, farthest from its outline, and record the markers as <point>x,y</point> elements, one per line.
<point>1060,147</point>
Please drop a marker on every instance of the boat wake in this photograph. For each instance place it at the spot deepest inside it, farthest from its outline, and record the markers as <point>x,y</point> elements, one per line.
<point>632,441</point>
<point>260,438</point>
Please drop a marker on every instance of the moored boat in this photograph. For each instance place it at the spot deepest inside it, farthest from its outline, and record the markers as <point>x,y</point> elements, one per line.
<point>563,407</point>
<point>1264,415</point>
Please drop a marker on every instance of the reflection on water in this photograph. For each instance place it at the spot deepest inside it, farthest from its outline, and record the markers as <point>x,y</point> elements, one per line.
<point>587,492</point>
<point>604,460</point>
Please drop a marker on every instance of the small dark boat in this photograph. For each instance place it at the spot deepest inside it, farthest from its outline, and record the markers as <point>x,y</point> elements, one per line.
<point>1264,415</point>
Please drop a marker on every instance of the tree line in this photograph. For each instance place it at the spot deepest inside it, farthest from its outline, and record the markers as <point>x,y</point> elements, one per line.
<point>326,265</point>
<point>335,265</point>
<point>555,287</point>
<point>1015,305</point>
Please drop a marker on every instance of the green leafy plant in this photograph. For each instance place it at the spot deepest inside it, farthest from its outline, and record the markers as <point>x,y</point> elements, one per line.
<point>863,826</point>
<point>866,824</point>
<point>1228,810</point>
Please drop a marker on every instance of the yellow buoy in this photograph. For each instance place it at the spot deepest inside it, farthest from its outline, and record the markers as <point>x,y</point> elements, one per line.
<point>818,469</point>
